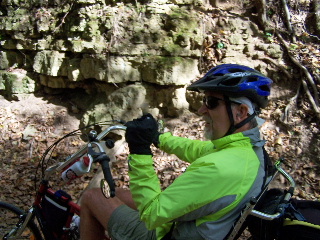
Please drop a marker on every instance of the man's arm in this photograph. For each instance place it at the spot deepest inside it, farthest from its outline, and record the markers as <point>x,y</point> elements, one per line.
<point>185,149</point>
<point>204,182</point>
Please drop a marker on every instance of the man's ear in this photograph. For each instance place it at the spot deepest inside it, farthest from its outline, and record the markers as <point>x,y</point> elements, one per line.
<point>242,112</point>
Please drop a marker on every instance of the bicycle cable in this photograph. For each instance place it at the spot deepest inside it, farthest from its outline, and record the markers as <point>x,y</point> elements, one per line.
<point>51,148</point>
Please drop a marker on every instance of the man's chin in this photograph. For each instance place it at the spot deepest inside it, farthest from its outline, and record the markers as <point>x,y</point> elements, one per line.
<point>208,134</point>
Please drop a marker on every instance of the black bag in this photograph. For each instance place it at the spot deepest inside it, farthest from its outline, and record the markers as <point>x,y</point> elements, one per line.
<point>299,221</point>
<point>307,228</point>
<point>261,229</point>
<point>55,212</point>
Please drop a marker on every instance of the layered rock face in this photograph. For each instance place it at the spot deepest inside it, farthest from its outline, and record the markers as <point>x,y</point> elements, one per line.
<point>128,56</point>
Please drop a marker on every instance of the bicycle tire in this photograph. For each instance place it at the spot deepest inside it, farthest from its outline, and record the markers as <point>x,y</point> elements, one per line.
<point>9,217</point>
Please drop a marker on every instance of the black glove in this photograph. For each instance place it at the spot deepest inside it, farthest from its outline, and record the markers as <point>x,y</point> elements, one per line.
<point>141,133</point>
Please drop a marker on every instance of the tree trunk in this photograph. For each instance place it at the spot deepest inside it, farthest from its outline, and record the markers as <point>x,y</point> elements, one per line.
<point>261,7</point>
<point>315,9</point>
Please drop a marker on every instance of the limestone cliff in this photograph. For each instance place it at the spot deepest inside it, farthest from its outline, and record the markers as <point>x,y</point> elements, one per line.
<point>126,55</point>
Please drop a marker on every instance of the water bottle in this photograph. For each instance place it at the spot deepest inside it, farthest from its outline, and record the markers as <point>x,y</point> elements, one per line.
<point>74,232</point>
<point>77,169</point>
<point>75,222</point>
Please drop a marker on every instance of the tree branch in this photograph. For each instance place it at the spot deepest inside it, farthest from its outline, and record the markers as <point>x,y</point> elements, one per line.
<point>292,100</point>
<point>276,65</point>
<point>64,17</point>
<point>287,20</point>
<point>261,5</point>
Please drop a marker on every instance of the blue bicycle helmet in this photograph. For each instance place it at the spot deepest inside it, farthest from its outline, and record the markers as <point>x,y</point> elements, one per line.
<point>235,80</point>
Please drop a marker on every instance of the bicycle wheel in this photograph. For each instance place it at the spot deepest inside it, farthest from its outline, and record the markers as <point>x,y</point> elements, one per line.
<point>9,217</point>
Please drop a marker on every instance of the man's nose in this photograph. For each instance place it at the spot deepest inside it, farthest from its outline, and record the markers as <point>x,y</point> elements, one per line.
<point>203,109</point>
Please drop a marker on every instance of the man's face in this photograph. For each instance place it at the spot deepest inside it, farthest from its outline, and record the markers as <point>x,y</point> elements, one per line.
<point>216,120</point>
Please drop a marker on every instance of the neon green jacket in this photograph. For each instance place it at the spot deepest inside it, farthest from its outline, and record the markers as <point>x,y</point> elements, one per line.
<point>207,198</point>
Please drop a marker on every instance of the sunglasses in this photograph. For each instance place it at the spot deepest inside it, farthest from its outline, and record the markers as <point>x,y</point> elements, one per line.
<point>212,102</point>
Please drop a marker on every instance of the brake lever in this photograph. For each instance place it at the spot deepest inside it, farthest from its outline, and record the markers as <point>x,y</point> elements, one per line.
<point>108,190</point>
<point>107,184</point>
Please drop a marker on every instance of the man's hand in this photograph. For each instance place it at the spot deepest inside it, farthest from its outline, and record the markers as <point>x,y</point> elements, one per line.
<point>141,133</point>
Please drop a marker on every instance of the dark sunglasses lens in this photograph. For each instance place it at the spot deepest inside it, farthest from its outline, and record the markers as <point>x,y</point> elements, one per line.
<point>211,102</point>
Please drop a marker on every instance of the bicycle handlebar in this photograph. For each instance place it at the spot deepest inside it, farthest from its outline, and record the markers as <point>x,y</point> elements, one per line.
<point>287,197</point>
<point>83,150</point>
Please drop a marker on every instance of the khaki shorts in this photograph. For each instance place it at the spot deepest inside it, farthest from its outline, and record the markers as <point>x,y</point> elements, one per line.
<point>125,224</point>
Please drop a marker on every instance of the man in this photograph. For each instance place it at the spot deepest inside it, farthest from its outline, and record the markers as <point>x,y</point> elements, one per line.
<point>224,172</point>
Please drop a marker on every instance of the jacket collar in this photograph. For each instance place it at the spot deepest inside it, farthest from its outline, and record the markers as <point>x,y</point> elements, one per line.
<point>251,136</point>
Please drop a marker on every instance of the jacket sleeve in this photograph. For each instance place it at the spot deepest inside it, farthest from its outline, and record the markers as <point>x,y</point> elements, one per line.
<point>183,195</point>
<point>158,207</point>
<point>185,149</point>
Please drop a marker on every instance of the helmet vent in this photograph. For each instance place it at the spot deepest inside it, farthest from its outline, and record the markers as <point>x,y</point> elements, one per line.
<point>231,81</point>
<point>252,79</point>
<point>264,88</point>
<point>234,70</point>
<point>219,74</point>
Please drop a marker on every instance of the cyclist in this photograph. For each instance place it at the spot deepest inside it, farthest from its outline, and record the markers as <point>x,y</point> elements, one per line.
<point>224,172</point>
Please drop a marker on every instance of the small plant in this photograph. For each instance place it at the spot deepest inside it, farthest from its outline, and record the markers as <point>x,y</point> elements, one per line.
<point>293,46</point>
<point>269,37</point>
<point>220,45</point>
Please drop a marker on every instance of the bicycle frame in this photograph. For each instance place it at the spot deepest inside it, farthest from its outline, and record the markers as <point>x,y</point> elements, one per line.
<point>35,212</point>
<point>44,189</point>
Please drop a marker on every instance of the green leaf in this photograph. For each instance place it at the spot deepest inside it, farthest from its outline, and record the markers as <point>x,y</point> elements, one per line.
<point>220,45</point>
<point>293,46</point>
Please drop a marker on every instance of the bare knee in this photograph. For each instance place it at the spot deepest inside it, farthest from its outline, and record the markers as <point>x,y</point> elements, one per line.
<point>90,196</point>
<point>126,197</point>
<point>95,204</point>
<point>92,226</point>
